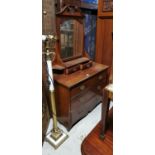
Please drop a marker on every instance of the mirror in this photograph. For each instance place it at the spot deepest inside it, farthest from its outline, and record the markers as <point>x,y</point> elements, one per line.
<point>71,39</point>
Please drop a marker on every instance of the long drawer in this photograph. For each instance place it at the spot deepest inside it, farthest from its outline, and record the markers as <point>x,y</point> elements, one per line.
<point>80,109</point>
<point>81,105</point>
<point>100,78</point>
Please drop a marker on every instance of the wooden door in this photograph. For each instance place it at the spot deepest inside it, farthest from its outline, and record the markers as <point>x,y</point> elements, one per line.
<point>104,41</point>
<point>104,35</point>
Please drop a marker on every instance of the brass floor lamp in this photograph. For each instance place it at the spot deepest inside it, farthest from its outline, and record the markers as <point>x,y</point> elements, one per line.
<point>56,136</point>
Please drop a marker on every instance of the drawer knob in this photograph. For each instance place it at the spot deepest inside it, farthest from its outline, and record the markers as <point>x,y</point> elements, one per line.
<point>87,75</point>
<point>98,87</point>
<point>100,77</point>
<point>44,12</point>
<point>82,87</point>
<point>88,65</point>
<point>74,69</point>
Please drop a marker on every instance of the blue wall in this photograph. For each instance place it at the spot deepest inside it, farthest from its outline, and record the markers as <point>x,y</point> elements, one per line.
<point>90,34</point>
<point>90,1</point>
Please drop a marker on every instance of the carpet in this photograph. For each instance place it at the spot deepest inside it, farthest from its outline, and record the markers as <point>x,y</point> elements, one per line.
<point>72,146</point>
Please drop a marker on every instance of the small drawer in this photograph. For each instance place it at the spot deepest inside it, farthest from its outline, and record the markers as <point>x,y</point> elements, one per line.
<point>72,69</point>
<point>86,65</point>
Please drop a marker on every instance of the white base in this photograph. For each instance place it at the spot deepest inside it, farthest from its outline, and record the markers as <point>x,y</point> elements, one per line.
<point>58,142</point>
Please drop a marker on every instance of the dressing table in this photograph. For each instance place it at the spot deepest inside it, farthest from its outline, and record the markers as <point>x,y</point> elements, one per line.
<point>78,80</point>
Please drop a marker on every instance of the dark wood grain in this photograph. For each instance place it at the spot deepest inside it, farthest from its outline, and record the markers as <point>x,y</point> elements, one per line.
<point>93,145</point>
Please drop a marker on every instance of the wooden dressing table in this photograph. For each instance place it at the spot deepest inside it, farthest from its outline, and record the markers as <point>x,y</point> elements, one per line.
<point>78,80</point>
<point>78,93</point>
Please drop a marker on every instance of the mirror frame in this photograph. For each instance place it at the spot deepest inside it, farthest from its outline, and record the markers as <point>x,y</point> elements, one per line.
<point>69,12</point>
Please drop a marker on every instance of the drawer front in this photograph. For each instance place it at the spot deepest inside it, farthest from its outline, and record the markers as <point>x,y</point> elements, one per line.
<point>77,110</point>
<point>77,115</point>
<point>90,104</point>
<point>72,69</point>
<point>80,89</point>
<point>81,100</point>
<point>99,87</point>
<point>80,107</point>
<point>86,65</point>
<point>101,78</point>
<point>94,81</point>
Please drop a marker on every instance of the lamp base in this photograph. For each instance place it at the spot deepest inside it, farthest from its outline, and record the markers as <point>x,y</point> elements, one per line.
<point>56,140</point>
<point>56,134</point>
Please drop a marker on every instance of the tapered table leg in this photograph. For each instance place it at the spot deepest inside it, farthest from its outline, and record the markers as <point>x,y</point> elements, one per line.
<point>104,115</point>
<point>106,97</point>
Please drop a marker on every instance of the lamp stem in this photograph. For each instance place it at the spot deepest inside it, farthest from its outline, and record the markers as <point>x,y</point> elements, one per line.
<point>52,95</point>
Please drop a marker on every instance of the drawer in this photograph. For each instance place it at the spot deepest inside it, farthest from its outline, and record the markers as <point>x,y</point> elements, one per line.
<point>77,109</point>
<point>77,115</point>
<point>99,87</point>
<point>101,78</point>
<point>72,69</point>
<point>86,65</point>
<point>80,109</point>
<point>79,101</point>
<point>80,89</point>
<point>90,104</point>
<point>90,83</point>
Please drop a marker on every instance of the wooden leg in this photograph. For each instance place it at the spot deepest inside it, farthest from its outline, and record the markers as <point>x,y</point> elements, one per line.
<point>104,116</point>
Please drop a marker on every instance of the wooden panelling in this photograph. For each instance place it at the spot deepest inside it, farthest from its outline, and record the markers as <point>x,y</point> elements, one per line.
<point>104,42</point>
<point>104,34</point>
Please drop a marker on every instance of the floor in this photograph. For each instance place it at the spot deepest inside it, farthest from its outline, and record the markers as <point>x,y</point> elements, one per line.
<point>93,145</point>
<point>72,146</point>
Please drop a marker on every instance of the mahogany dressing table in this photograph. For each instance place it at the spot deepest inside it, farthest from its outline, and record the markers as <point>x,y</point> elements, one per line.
<point>78,80</point>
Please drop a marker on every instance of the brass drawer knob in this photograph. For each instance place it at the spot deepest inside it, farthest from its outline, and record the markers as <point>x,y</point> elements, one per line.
<point>82,87</point>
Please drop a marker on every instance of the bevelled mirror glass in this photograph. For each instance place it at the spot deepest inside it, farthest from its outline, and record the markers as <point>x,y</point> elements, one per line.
<point>71,35</point>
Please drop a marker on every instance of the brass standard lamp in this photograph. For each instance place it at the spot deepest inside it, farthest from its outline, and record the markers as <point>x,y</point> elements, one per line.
<point>56,136</point>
